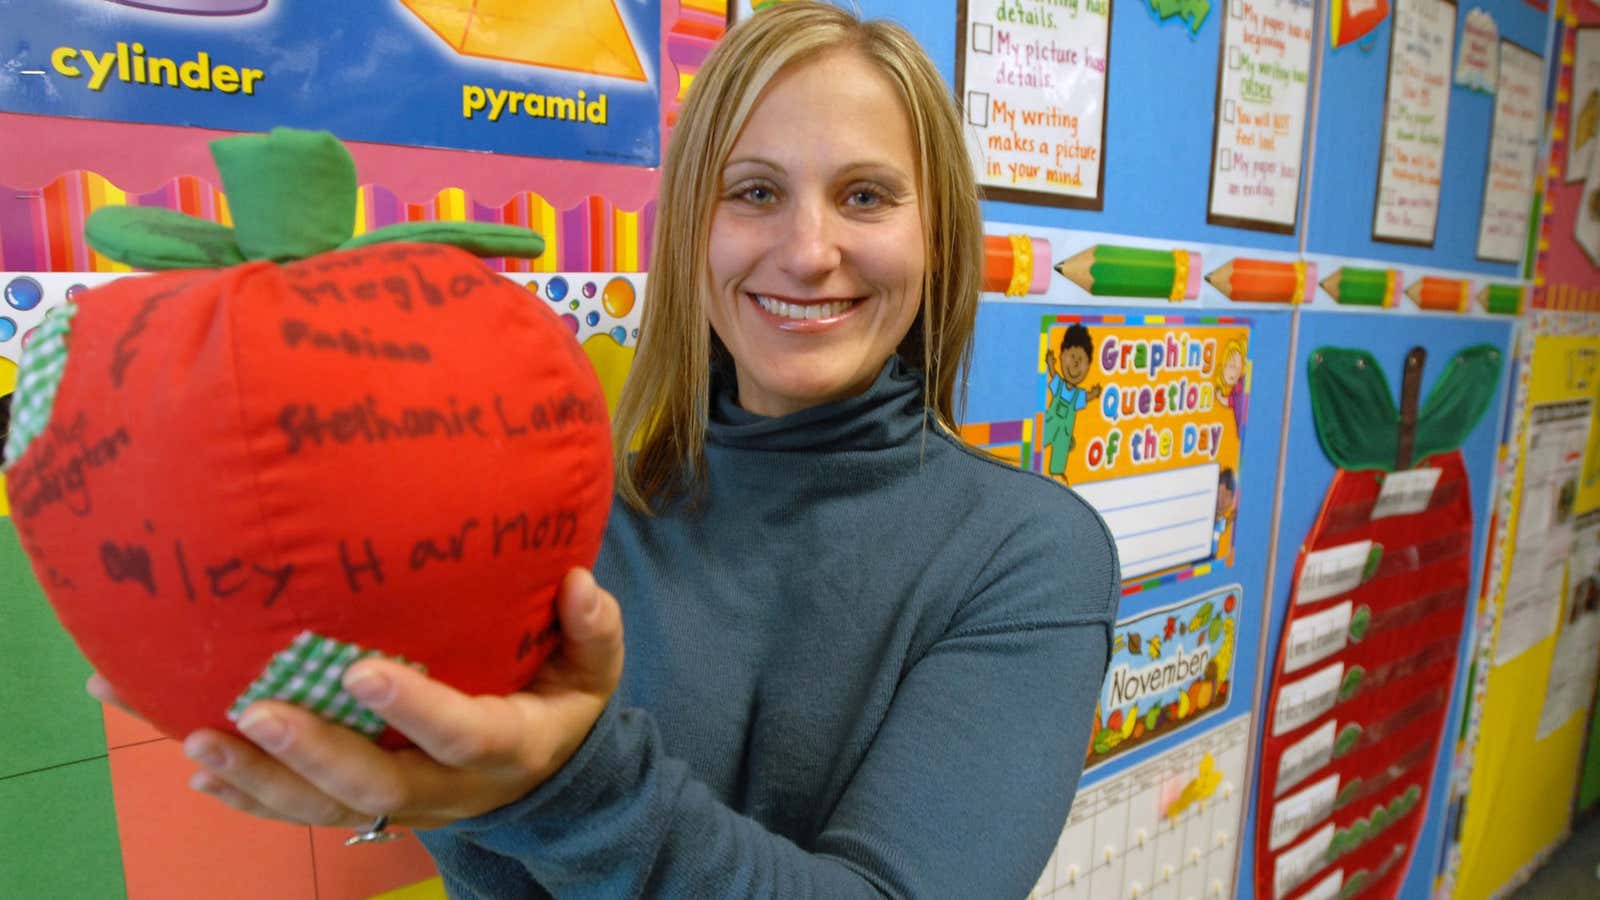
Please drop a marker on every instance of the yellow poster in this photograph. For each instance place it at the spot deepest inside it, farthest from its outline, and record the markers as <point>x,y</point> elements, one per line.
<point>1142,415</point>
<point>1514,811</point>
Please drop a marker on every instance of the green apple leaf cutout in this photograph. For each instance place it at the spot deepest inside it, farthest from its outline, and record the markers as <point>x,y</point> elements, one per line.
<point>1359,620</point>
<point>1348,737</point>
<point>1359,424</point>
<point>1347,793</point>
<point>1352,683</point>
<point>292,194</point>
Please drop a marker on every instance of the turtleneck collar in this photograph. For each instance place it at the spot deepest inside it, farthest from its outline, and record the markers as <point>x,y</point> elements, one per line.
<point>887,414</point>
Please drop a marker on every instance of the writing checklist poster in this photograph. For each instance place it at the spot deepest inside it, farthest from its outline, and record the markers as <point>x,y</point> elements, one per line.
<point>1513,152</point>
<point>1261,113</point>
<point>1033,84</point>
<point>1420,55</point>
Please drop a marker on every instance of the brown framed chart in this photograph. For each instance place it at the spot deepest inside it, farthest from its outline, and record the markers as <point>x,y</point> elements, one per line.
<point>1032,88</point>
<point>1416,104</point>
<point>1258,140</point>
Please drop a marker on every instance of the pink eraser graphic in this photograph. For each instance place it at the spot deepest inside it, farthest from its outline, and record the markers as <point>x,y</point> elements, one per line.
<point>196,7</point>
<point>1192,289</point>
<point>1041,267</point>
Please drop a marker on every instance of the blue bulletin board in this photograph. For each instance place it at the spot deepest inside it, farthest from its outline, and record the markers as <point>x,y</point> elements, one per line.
<point>572,80</point>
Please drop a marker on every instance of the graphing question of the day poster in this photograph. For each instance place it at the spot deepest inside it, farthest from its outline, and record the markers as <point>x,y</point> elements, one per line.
<point>577,80</point>
<point>1144,421</point>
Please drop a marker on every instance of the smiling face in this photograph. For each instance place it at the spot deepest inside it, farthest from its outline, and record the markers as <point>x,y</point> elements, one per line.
<point>1233,368</point>
<point>816,252</point>
<point>1074,365</point>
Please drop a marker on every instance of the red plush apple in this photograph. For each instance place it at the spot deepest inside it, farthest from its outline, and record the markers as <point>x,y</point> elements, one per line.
<point>299,448</point>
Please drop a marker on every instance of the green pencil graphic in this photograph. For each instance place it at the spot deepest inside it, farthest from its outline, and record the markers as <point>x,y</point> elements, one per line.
<point>1363,287</point>
<point>1505,299</point>
<point>1106,270</point>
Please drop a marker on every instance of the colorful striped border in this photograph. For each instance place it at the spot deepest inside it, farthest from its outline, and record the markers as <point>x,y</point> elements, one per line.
<point>42,230</point>
<point>700,24</point>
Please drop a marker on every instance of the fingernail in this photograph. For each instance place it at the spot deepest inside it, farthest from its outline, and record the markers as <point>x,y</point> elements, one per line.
<point>202,782</point>
<point>591,603</point>
<point>370,687</point>
<point>205,753</point>
<point>266,729</point>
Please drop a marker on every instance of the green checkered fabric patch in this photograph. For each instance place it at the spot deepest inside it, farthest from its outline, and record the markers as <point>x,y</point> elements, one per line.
<point>308,674</point>
<point>38,376</point>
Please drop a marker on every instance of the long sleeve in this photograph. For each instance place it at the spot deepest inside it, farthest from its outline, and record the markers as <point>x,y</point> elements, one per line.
<point>962,792</point>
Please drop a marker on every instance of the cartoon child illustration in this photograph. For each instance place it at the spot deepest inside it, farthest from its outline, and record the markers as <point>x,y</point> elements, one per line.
<point>1230,381</point>
<point>1066,374</point>
<point>1227,507</point>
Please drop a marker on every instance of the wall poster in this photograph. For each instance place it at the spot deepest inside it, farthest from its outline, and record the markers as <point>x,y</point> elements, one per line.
<point>1033,85</point>
<point>1513,155</point>
<point>1258,149</point>
<point>1418,101</point>
<point>1143,417</point>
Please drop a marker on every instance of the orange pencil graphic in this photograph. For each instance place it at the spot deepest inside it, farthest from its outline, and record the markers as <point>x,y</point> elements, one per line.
<point>1264,280</point>
<point>1443,294</point>
<point>1016,264</point>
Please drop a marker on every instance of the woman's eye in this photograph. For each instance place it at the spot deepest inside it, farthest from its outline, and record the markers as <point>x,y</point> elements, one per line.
<point>865,197</point>
<point>755,193</point>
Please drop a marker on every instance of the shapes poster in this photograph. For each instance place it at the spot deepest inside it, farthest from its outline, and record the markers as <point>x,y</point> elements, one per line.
<point>1262,84</point>
<point>1033,86</point>
<point>1170,667</point>
<point>1415,115</point>
<point>577,80</point>
<point>1143,416</point>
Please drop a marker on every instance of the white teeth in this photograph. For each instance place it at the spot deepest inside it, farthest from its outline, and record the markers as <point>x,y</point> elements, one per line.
<point>803,311</point>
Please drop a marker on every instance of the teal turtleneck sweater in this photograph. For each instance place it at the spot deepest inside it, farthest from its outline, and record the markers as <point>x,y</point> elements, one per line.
<point>865,665</point>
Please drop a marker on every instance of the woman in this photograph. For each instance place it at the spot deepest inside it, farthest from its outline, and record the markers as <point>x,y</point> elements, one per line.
<point>861,657</point>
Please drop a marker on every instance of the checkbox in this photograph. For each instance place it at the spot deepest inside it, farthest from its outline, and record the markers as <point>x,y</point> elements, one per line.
<point>978,108</point>
<point>982,37</point>
<point>1235,58</point>
<point>1227,111</point>
<point>1236,9</point>
<point>1225,161</point>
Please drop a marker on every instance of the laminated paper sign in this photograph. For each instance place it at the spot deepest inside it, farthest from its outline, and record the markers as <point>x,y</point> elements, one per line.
<point>1033,84</point>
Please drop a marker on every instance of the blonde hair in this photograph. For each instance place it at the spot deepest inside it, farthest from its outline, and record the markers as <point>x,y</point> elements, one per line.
<point>1233,346</point>
<point>660,422</point>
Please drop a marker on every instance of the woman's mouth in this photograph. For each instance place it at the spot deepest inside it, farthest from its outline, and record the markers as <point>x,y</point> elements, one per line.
<point>791,312</point>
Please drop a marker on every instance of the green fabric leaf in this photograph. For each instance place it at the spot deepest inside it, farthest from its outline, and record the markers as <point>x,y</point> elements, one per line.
<point>292,193</point>
<point>1357,421</point>
<point>147,237</point>
<point>477,238</point>
<point>1458,400</point>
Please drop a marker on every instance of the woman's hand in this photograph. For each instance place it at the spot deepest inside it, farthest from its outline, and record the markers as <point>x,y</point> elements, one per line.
<point>472,755</point>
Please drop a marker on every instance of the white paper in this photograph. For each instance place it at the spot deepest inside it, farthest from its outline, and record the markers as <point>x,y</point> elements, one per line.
<point>1326,889</point>
<point>1414,121</point>
<point>1556,439</point>
<point>1513,156</point>
<point>1261,110</point>
<point>1576,662</point>
<point>1301,701</point>
<point>1583,109</point>
<point>1331,572</point>
<point>1476,62</point>
<point>1035,96</point>
<point>1292,815</point>
<point>1318,636</point>
<point>1404,493</point>
<point>1293,865</point>
<point>1305,756</point>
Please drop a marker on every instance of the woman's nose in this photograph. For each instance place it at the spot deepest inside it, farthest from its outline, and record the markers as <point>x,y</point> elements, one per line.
<point>811,249</point>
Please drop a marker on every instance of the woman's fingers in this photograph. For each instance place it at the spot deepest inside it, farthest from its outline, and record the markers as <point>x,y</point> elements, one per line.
<point>590,657</point>
<point>101,690</point>
<point>242,776</point>
<point>449,726</point>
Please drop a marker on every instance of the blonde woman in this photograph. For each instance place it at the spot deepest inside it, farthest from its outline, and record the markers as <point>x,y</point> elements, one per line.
<point>861,659</point>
